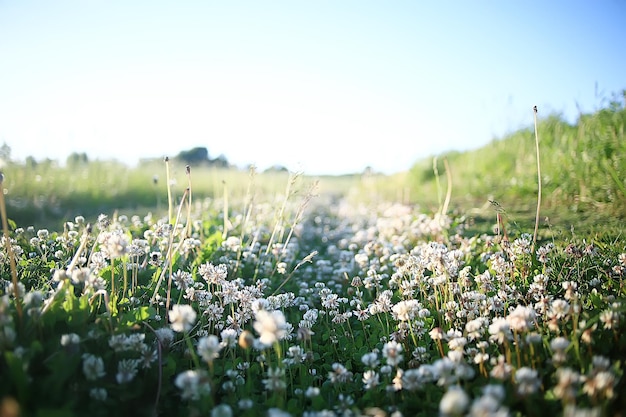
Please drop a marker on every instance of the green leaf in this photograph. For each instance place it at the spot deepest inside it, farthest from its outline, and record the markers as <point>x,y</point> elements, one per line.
<point>17,377</point>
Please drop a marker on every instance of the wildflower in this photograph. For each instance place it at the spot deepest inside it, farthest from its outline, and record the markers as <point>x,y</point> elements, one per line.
<point>339,374</point>
<point>406,310</point>
<point>312,392</point>
<point>80,275</point>
<point>600,385</point>
<point>126,370</point>
<point>489,404</point>
<point>193,384</point>
<point>494,391</point>
<point>245,404</point>
<point>295,355</point>
<point>271,326</point>
<point>114,244</point>
<point>370,359</point>
<point>70,339</point>
<point>414,379</point>
<point>98,394</point>
<point>182,279</point>
<point>222,410</point>
<point>148,355</point>
<point>454,402</point>
<point>370,379</point>
<point>396,382</point>
<point>277,412</point>
<point>209,348</point>
<point>275,380</point>
<point>392,352</point>
<point>610,319</point>
<point>499,330</point>
<point>558,346</point>
<point>436,333</point>
<point>475,328</point>
<point>501,369</point>
<point>559,309</point>
<point>93,367</point>
<point>213,274</point>
<point>458,343</point>
<point>182,317</point>
<point>165,336</point>
<point>567,386</point>
<point>527,381</point>
<point>521,319</point>
<point>229,338</point>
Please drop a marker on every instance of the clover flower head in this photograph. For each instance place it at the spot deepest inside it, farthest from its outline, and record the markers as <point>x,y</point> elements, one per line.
<point>182,317</point>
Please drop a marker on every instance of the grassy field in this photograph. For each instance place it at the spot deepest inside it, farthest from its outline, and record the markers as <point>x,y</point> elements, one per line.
<point>278,294</point>
<point>583,176</point>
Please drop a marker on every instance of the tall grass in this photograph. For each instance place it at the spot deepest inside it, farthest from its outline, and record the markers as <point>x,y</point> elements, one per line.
<point>582,165</point>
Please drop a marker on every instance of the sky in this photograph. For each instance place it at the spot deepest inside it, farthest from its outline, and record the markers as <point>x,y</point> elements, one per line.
<point>323,87</point>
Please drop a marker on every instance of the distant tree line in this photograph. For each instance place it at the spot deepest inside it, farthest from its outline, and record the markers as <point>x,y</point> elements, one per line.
<point>200,156</point>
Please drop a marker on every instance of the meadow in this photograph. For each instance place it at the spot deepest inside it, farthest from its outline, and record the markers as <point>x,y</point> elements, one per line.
<point>167,290</point>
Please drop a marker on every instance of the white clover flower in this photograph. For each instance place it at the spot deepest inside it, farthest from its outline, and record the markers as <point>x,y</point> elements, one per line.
<point>275,380</point>
<point>165,335</point>
<point>406,310</point>
<point>126,370</point>
<point>182,317</point>
<point>245,404</point>
<point>370,359</point>
<point>114,244</point>
<point>222,410</point>
<point>277,412</point>
<point>527,381</point>
<point>93,367</point>
<point>558,346</point>
<point>392,352</point>
<point>213,274</point>
<point>98,394</point>
<point>70,339</point>
<point>296,355</point>
<point>454,402</point>
<point>559,309</point>
<point>436,333</point>
<point>229,338</point>
<point>568,384</point>
<point>311,392</point>
<point>609,319</point>
<point>339,374</point>
<point>370,379</point>
<point>193,384</point>
<point>271,326</point>
<point>500,330</point>
<point>522,318</point>
<point>209,348</point>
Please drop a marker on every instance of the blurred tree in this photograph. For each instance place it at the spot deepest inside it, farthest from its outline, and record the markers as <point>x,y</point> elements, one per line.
<point>194,156</point>
<point>220,162</point>
<point>5,152</point>
<point>77,159</point>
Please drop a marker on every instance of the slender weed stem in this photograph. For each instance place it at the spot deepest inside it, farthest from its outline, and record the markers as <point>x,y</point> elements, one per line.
<point>170,208</point>
<point>188,227</point>
<point>539,185</point>
<point>225,231</point>
<point>446,202</point>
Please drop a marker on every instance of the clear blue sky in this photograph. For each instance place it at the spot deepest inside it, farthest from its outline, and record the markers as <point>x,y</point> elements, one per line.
<point>319,86</point>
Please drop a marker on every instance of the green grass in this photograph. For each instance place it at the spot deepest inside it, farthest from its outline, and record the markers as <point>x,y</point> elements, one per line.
<point>582,164</point>
<point>582,167</point>
<point>100,319</point>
